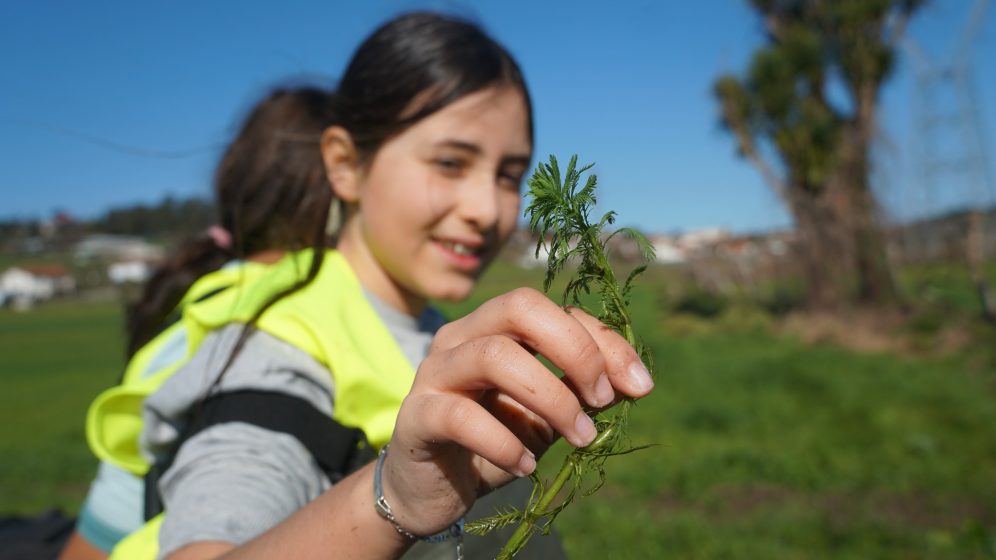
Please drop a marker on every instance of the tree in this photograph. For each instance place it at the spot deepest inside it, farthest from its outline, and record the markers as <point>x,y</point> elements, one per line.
<point>784,106</point>
<point>171,219</point>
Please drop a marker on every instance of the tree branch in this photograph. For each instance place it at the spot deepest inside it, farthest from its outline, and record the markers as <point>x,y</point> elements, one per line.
<point>747,148</point>
<point>768,173</point>
<point>774,27</point>
<point>898,28</point>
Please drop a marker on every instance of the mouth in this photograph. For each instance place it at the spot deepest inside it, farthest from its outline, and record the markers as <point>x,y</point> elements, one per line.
<point>463,249</point>
<point>464,256</point>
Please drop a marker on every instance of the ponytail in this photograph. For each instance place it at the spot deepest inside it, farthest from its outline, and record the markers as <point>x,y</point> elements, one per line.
<point>149,316</point>
<point>271,193</point>
<point>320,241</point>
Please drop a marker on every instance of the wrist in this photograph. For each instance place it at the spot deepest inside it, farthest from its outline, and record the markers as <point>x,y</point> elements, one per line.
<point>384,530</point>
<point>406,526</point>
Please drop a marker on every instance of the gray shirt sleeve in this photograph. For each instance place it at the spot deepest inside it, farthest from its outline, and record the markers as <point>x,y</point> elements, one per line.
<point>232,482</point>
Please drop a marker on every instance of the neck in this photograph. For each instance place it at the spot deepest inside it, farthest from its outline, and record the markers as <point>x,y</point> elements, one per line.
<point>374,278</point>
<point>269,256</point>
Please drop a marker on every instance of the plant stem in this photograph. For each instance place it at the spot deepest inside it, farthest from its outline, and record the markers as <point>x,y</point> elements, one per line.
<point>528,526</point>
<point>525,529</point>
<point>561,209</point>
<point>609,285</point>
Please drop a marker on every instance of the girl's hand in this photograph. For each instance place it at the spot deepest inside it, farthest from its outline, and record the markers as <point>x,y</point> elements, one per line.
<point>483,407</point>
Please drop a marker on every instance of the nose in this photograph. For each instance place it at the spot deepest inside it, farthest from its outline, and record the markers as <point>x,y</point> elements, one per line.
<point>478,203</point>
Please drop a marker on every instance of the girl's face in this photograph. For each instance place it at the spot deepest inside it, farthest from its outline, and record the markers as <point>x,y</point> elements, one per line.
<point>436,203</point>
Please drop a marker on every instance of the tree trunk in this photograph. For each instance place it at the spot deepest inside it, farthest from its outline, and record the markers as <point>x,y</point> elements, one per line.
<point>866,243</point>
<point>858,210</point>
<point>820,250</point>
<point>874,275</point>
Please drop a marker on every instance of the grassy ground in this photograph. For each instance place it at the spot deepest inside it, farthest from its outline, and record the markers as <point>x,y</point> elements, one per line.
<point>944,286</point>
<point>774,450</point>
<point>53,361</point>
<point>767,448</point>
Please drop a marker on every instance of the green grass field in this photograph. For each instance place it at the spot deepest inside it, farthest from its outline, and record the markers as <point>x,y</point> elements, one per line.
<point>766,448</point>
<point>53,362</point>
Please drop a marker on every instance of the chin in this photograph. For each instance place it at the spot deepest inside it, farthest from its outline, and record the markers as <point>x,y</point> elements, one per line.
<point>455,296</point>
<point>454,291</point>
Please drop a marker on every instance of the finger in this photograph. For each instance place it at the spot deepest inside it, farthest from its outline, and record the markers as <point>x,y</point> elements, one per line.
<point>626,372</point>
<point>528,426</point>
<point>498,362</point>
<point>449,417</point>
<point>531,319</point>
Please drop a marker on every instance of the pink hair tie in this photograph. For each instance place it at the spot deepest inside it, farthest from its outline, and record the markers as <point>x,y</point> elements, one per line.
<point>221,237</point>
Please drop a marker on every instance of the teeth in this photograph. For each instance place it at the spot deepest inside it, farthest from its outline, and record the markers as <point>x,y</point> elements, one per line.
<point>460,249</point>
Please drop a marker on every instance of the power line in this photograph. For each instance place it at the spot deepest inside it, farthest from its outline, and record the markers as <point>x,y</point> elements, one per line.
<point>111,144</point>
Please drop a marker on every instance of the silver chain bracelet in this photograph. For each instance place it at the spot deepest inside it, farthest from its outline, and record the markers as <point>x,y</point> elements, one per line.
<point>384,509</point>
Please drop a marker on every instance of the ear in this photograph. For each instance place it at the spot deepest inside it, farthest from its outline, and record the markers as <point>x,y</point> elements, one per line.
<point>341,163</point>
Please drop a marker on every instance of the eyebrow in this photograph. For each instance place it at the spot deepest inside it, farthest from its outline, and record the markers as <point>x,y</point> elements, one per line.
<point>476,150</point>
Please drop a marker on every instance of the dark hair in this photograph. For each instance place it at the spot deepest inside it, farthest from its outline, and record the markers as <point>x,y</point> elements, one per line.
<point>406,70</point>
<point>270,185</point>
<point>425,59</point>
<point>270,192</point>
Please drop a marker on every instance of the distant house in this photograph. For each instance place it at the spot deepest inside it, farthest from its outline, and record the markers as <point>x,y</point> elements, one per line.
<point>739,248</point>
<point>623,247</point>
<point>529,259</point>
<point>666,249</point>
<point>118,248</point>
<point>703,239</point>
<point>521,250</point>
<point>134,271</point>
<point>23,286</point>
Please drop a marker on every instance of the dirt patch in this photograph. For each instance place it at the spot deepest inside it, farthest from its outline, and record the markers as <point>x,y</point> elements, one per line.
<point>874,331</point>
<point>918,510</point>
<point>856,330</point>
<point>748,499</point>
<point>926,511</point>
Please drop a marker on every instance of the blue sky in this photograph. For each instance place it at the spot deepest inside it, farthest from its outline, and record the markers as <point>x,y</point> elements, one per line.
<point>112,103</point>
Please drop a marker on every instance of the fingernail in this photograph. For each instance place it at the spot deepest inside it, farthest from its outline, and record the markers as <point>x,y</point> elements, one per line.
<point>584,430</point>
<point>603,391</point>
<point>527,463</point>
<point>640,378</point>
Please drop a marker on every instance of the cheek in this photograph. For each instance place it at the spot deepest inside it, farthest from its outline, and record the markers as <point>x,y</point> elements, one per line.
<point>409,201</point>
<point>426,198</point>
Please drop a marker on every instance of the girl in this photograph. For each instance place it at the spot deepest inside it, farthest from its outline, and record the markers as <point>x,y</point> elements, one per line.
<point>270,188</point>
<point>432,135</point>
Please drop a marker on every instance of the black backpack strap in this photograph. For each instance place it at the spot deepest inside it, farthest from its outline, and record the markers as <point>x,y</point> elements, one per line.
<point>338,450</point>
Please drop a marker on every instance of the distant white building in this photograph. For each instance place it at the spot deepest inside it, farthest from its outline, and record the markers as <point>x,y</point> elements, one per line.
<point>703,238</point>
<point>23,286</point>
<point>118,248</point>
<point>666,249</point>
<point>529,258</point>
<point>129,272</point>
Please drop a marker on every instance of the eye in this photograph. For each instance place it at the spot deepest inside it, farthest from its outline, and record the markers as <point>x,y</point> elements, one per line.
<point>510,180</point>
<point>449,166</point>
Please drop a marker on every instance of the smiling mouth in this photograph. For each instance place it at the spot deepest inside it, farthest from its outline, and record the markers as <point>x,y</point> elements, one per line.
<point>463,250</point>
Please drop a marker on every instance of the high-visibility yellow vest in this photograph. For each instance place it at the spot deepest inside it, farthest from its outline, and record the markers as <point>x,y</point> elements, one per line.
<point>330,319</point>
<point>114,419</point>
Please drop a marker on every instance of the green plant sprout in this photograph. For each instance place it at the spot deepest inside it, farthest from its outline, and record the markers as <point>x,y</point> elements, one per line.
<point>558,212</point>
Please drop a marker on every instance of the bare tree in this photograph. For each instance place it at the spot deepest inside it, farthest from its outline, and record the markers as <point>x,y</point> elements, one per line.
<point>783,106</point>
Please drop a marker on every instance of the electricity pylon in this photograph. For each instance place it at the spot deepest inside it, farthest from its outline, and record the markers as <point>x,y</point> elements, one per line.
<point>946,113</point>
